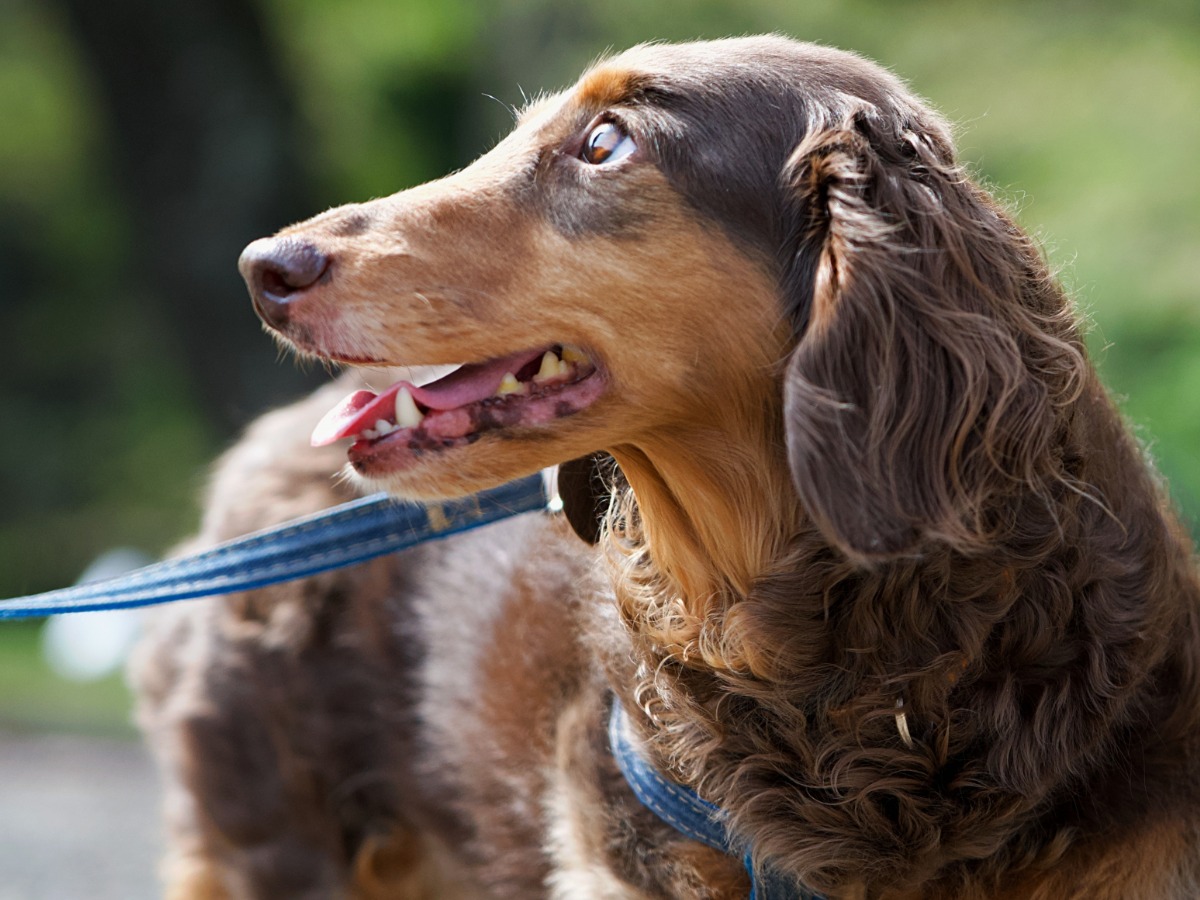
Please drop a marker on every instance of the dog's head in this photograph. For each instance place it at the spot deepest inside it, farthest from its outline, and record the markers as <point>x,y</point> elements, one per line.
<point>705,236</point>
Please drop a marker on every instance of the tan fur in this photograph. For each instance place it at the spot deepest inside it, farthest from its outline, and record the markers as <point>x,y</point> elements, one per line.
<point>605,86</point>
<point>404,865</point>
<point>193,879</point>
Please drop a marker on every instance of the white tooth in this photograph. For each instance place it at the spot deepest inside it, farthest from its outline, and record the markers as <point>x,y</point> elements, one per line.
<point>384,427</point>
<point>509,385</point>
<point>407,414</point>
<point>574,355</point>
<point>369,433</point>
<point>549,369</point>
<point>565,368</point>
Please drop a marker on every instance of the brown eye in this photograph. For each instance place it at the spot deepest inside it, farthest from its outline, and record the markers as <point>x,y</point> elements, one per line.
<point>605,144</point>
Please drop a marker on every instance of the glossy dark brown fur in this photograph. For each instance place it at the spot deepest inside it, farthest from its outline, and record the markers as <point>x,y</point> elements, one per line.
<point>884,573</point>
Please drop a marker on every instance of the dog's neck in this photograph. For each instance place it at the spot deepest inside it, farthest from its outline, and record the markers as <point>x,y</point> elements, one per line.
<point>714,509</point>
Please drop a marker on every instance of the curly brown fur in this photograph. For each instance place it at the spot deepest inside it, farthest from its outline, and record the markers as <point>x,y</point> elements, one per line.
<point>891,582</point>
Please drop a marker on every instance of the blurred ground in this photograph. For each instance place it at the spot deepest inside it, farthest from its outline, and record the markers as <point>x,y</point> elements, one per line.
<point>78,819</point>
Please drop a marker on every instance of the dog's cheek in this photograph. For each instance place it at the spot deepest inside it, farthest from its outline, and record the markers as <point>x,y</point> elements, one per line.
<point>582,202</point>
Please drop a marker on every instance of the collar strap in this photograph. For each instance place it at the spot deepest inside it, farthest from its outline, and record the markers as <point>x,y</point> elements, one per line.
<point>689,813</point>
<point>342,536</point>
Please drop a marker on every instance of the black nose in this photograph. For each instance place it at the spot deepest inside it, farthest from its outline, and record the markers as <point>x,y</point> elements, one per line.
<point>276,269</point>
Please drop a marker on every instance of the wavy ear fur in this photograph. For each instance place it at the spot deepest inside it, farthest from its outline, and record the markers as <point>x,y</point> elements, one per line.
<point>930,379</point>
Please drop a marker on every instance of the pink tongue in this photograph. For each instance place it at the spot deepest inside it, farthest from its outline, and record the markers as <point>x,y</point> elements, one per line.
<point>348,417</point>
<point>466,384</point>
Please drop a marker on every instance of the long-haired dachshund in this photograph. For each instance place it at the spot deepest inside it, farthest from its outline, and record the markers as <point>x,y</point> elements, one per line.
<point>880,570</point>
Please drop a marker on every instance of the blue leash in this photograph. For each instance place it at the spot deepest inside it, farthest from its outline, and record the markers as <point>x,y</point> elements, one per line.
<point>344,535</point>
<point>689,813</point>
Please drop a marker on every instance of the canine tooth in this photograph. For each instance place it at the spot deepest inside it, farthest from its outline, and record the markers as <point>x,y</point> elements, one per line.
<point>407,414</point>
<point>572,354</point>
<point>509,385</point>
<point>550,367</point>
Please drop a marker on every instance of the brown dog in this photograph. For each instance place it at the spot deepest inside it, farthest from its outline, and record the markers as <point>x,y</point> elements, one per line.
<point>890,581</point>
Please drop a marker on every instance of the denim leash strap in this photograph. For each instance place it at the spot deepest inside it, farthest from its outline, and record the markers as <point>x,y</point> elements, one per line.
<point>342,536</point>
<point>689,813</point>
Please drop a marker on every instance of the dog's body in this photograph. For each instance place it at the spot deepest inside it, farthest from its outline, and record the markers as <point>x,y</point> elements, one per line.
<point>365,713</point>
<point>884,575</point>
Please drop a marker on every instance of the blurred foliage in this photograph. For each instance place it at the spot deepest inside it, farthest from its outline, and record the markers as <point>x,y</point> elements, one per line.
<point>1083,115</point>
<point>34,698</point>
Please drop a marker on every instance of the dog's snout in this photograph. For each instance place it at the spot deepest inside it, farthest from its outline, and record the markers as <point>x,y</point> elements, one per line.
<point>275,270</point>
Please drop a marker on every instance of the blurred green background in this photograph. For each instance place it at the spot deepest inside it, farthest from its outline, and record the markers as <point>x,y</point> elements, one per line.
<point>143,143</point>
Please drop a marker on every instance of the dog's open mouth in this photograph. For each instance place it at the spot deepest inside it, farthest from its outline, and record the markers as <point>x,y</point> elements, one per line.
<point>530,388</point>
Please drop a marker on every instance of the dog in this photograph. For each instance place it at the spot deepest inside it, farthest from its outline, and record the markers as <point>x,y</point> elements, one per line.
<point>873,563</point>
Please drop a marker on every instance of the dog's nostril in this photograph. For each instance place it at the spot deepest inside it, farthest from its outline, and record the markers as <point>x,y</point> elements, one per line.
<point>277,268</point>
<point>276,283</point>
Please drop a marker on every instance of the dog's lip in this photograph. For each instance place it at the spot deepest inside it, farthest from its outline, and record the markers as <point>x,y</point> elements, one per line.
<point>344,359</point>
<point>501,418</point>
<point>465,384</point>
<point>360,414</point>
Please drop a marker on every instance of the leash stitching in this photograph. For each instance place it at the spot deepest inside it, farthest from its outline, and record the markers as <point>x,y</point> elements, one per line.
<point>338,537</point>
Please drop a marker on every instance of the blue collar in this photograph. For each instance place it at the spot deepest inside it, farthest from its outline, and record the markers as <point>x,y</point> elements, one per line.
<point>342,536</point>
<point>689,813</point>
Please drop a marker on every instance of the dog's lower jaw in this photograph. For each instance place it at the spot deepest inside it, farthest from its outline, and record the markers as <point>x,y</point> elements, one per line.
<point>489,460</point>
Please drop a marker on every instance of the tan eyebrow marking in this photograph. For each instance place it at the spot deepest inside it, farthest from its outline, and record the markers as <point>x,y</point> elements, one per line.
<point>607,86</point>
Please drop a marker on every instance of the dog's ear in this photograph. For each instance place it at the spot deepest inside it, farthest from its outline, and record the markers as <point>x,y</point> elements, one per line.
<point>934,347</point>
<point>585,486</point>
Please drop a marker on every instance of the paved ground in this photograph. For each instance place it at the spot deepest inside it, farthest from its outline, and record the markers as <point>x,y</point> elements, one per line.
<point>78,819</point>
